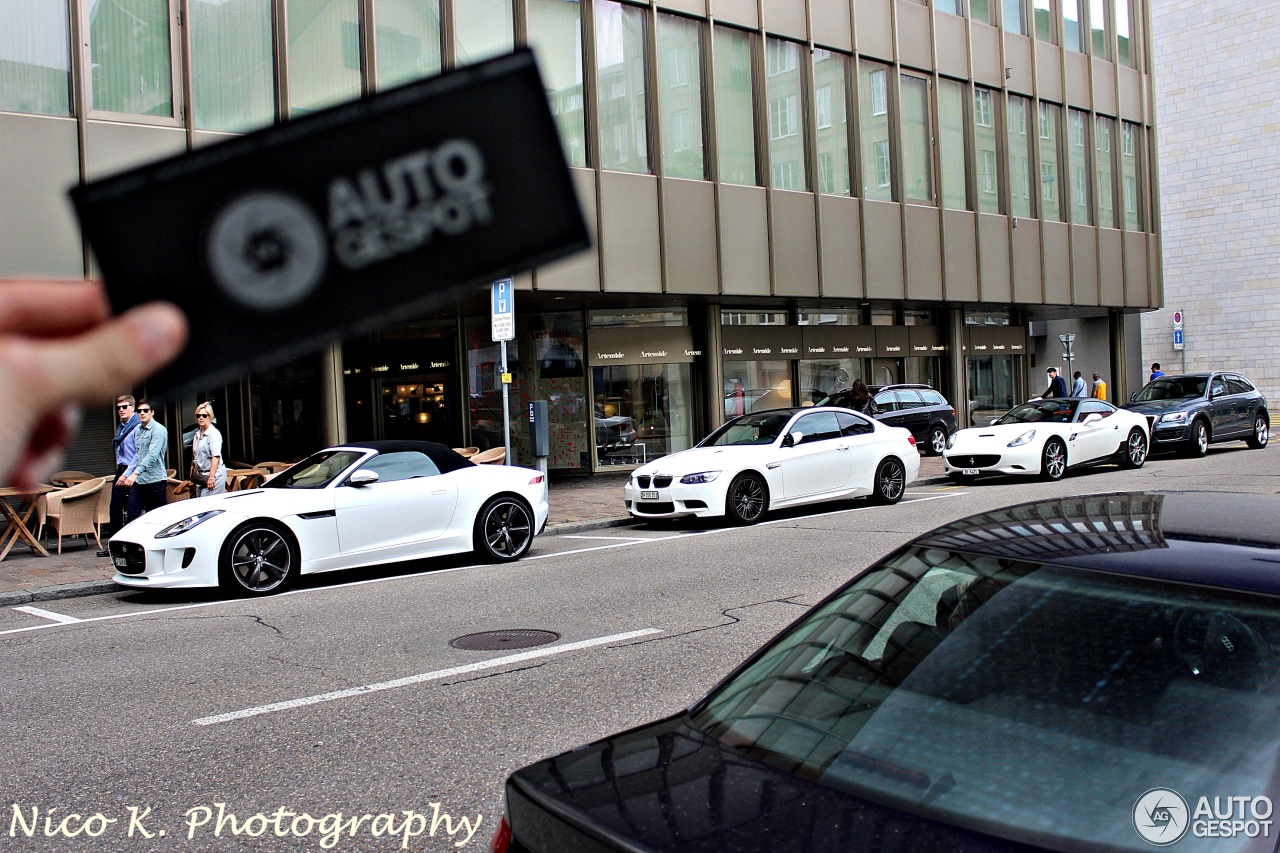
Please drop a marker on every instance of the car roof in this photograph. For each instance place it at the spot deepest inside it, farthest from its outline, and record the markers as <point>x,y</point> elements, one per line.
<point>1168,376</point>
<point>446,458</point>
<point>1211,538</point>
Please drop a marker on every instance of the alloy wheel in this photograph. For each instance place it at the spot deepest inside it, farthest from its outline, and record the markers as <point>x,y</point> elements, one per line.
<point>508,529</point>
<point>1055,460</point>
<point>261,559</point>
<point>891,482</point>
<point>1137,449</point>
<point>748,498</point>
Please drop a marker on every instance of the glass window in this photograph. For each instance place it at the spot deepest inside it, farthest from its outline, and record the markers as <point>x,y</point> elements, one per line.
<point>1106,191</point>
<point>605,317</point>
<point>822,377</point>
<point>951,7</point>
<point>1129,167</point>
<point>408,42</point>
<point>980,11</point>
<point>1015,16</point>
<point>35,58</point>
<point>951,98</point>
<point>680,96</point>
<point>735,107</point>
<point>992,387</point>
<point>829,316</point>
<point>754,386</point>
<point>819,426</point>
<point>877,164</point>
<point>917,140</point>
<point>641,412</point>
<point>483,28</point>
<point>1124,30</point>
<point>1046,29</point>
<point>985,145</point>
<point>324,53</point>
<point>620,53</point>
<point>1020,157</point>
<point>555,34</point>
<point>1078,161</point>
<point>130,56</point>
<point>783,87</point>
<point>1071,35</point>
<point>401,466</point>
<point>232,65</point>
<point>1099,28</point>
<point>830,71</point>
<point>1050,189</point>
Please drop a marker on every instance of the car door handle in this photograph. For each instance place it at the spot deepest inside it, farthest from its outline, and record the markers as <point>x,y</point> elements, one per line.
<point>773,465</point>
<point>843,447</point>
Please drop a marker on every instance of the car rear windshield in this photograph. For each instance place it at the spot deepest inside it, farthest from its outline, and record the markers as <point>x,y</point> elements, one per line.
<point>1034,702</point>
<point>1185,388</point>
<point>749,429</point>
<point>314,472</point>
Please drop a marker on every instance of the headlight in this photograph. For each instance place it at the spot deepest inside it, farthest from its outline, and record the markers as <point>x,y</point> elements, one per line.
<point>951,440</point>
<point>1022,439</point>
<point>695,479</point>
<point>187,523</point>
<point>1174,418</point>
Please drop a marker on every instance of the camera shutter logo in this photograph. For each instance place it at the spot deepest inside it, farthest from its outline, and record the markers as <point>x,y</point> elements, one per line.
<point>1161,816</point>
<point>267,250</point>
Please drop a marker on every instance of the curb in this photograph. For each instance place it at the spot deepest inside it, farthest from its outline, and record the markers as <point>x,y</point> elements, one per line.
<point>53,593</point>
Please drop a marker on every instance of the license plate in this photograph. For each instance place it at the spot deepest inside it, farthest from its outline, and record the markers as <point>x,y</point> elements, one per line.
<point>122,562</point>
<point>648,496</point>
<point>969,472</point>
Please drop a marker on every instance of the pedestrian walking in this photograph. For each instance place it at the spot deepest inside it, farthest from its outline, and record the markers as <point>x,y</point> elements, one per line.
<point>1156,372</point>
<point>207,470</point>
<point>1057,385</point>
<point>860,399</point>
<point>1077,386</point>
<point>124,446</point>
<point>1099,386</point>
<point>146,477</point>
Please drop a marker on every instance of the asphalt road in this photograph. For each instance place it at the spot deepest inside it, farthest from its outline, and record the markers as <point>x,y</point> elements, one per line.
<point>345,698</point>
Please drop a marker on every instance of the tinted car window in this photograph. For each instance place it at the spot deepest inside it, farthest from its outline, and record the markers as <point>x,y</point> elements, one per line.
<point>908,398</point>
<point>853,425</point>
<point>749,429</point>
<point>1089,407</point>
<point>1237,385</point>
<point>314,472</point>
<point>1184,388</point>
<point>886,401</point>
<point>818,427</point>
<point>401,466</point>
<point>933,398</point>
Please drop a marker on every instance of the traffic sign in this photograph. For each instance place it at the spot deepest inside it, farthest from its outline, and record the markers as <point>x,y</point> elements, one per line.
<point>1177,321</point>
<point>1177,339</point>
<point>504,310</point>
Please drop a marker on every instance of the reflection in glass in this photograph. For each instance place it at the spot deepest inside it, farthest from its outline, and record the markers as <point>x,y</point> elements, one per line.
<point>1015,16</point>
<point>786,121</point>
<point>753,386</point>
<point>642,411</point>
<point>232,65</point>
<point>1101,32</point>
<point>873,113</point>
<point>917,157</point>
<point>1020,157</point>
<point>324,53</point>
<point>1106,191</point>
<point>984,121</point>
<point>735,107</point>
<point>822,377</point>
<point>991,387</point>
<point>1124,25</point>
<point>408,44</point>
<point>484,28</point>
<point>35,58</point>
<point>1045,29</point>
<point>555,34</point>
<point>1050,185</point>
<point>951,100</point>
<point>1129,159</point>
<point>620,55</point>
<point>1078,161</point>
<point>830,70</point>
<point>680,96</point>
<point>129,52</point>
<point>980,11</point>
<point>1071,36</point>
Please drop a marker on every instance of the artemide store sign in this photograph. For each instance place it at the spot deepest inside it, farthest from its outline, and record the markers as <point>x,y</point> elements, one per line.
<point>641,345</point>
<point>996,340</point>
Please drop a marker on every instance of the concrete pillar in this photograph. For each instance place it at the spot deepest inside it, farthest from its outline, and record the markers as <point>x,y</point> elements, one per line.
<point>334,429</point>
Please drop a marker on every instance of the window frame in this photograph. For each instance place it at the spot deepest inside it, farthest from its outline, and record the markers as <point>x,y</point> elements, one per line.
<point>177,88</point>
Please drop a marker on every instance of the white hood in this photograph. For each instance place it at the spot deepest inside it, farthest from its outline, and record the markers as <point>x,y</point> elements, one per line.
<point>700,459</point>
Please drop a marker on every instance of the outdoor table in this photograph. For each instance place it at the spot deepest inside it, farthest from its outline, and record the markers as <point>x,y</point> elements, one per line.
<point>17,517</point>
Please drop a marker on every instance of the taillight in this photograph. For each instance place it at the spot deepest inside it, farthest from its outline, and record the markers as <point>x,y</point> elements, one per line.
<point>501,842</point>
<point>953,411</point>
<point>538,479</point>
<point>912,439</point>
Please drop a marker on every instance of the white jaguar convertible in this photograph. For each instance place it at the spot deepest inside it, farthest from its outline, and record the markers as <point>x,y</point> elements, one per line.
<point>777,458</point>
<point>342,508</point>
<point>1046,437</point>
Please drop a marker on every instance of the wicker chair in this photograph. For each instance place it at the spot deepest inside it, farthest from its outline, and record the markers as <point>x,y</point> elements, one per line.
<point>178,490</point>
<point>62,477</point>
<point>492,456</point>
<point>74,511</point>
<point>466,451</point>
<point>104,503</point>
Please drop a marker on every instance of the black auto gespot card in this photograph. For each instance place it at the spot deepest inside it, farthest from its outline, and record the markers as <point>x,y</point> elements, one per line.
<point>281,241</point>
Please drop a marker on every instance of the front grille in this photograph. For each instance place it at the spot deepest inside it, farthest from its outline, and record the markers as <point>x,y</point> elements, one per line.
<point>643,481</point>
<point>661,481</point>
<point>979,461</point>
<point>655,508</point>
<point>133,553</point>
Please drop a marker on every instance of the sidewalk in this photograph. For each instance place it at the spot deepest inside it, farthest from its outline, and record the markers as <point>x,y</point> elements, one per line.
<point>576,504</point>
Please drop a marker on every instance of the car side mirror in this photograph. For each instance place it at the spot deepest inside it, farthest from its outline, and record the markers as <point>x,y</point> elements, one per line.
<point>1092,419</point>
<point>792,438</point>
<point>1133,398</point>
<point>994,421</point>
<point>362,478</point>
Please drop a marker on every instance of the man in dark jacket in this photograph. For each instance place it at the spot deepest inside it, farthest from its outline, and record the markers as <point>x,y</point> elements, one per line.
<point>125,447</point>
<point>1057,385</point>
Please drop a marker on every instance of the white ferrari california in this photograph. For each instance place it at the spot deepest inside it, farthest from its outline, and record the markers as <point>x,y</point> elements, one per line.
<point>342,508</point>
<point>1046,437</point>
<point>773,459</point>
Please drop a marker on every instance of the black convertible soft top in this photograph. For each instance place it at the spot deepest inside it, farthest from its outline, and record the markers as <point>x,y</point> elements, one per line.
<point>446,458</point>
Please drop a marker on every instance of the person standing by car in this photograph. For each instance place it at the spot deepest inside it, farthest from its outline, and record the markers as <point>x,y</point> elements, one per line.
<point>1057,385</point>
<point>1077,386</point>
<point>124,447</point>
<point>1156,372</point>
<point>206,455</point>
<point>1099,386</point>
<point>145,478</point>
<point>860,398</point>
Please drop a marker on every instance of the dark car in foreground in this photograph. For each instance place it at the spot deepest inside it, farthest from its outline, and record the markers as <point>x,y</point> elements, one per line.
<point>1083,673</point>
<point>916,407</point>
<point>1191,411</point>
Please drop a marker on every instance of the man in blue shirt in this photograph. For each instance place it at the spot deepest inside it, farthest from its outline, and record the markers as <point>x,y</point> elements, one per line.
<point>1156,372</point>
<point>146,477</point>
<point>124,445</point>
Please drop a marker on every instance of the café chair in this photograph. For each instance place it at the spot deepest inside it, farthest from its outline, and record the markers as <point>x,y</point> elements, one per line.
<point>468,452</point>
<point>492,456</point>
<point>73,511</point>
<point>69,478</point>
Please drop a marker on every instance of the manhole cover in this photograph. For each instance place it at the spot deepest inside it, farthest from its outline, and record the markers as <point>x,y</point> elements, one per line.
<point>516,638</point>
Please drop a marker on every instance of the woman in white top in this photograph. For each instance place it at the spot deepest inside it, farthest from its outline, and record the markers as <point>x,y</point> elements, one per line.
<point>206,454</point>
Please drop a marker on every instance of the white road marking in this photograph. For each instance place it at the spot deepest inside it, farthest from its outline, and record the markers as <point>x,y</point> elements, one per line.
<point>434,675</point>
<point>48,614</point>
<point>622,544</point>
<point>624,538</point>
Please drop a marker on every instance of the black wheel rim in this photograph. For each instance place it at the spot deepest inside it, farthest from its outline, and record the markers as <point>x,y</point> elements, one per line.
<point>507,529</point>
<point>748,498</point>
<point>939,441</point>
<point>1055,460</point>
<point>261,559</point>
<point>1137,449</point>
<point>893,479</point>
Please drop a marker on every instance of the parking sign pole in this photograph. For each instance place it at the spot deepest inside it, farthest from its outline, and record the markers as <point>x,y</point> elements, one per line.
<point>503,316</point>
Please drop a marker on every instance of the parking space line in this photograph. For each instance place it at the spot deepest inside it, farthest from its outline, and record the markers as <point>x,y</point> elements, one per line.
<point>624,538</point>
<point>48,614</point>
<point>434,675</point>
